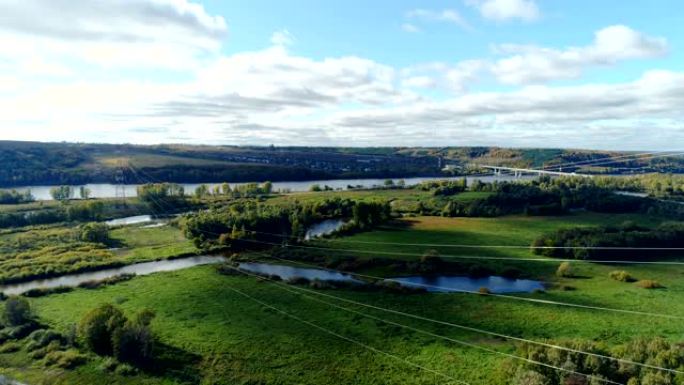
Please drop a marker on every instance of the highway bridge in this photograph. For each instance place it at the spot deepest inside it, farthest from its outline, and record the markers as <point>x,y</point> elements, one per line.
<point>520,171</point>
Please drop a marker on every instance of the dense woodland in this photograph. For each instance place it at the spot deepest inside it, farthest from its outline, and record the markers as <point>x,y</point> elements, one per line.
<point>33,163</point>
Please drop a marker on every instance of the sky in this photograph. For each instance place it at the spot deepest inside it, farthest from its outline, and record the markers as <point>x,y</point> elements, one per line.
<point>514,73</point>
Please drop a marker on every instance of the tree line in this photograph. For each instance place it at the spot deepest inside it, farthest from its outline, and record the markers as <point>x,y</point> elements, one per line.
<point>564,243</point>
<point>245,223</point>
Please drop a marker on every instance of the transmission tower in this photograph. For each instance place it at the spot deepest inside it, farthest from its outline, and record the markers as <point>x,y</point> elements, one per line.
<point>120,180</point>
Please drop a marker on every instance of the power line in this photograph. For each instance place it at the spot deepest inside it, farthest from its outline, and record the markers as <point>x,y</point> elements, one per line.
<point>620,159</point>
<point>488,246</point>
<point>503,296</point>
<point>365,346</point>
<point>465,257</point>
<point>472,329</point>
<point>460,342</point>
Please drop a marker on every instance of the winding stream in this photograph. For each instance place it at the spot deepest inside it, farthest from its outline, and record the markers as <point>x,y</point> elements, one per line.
<point>145,268</point>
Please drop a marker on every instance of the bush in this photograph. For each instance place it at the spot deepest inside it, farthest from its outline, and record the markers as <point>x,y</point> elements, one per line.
<point>17,311</point>
<point>42,338</point>
<point>564,270</point>
<point>484,290</point>
<point>108,365</point>
<point>95,233</point>
<point>107,332</point>
<point>95,284</point>
<point>649,284</point>
<point>41,292</point>
<point>622,276</point>
<point>133,342</point>
<point>125,370</point>
<point>98,326</point>
<point>65,360</point>
<point>10,347</point>
<point>298,281</point>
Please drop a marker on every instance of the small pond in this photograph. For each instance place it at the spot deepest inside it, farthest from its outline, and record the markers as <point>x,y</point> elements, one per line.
<point>287,272</point>
<point>435,284</point>
<point>450,284</point>
<point>326,227</point>
<point>145,268</point>
<point>130,220</point>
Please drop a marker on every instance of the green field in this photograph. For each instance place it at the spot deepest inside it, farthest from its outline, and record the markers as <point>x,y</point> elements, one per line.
<point>44,251</point>
<point>225,337</point>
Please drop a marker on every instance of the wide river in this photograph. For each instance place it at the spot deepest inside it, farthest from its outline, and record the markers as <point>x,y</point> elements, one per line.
<point>104,190</point>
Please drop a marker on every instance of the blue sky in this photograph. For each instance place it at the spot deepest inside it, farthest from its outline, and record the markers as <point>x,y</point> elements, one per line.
<point>524,73</point>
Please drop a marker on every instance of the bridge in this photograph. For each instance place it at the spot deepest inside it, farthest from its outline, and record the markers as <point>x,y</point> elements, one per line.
<point>520,171</point>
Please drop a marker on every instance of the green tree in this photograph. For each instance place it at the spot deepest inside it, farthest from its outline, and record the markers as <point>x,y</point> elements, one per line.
<point>98,327</point>
<point>62,193</point>
<point>95,232</point>
<point>134,341</point>
<point>84,192</point>
<point>17,311</point>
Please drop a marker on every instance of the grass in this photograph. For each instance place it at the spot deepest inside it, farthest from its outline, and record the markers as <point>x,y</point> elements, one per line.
<point>55,250</point>
<point>238,341</point>
<point>228,338</point>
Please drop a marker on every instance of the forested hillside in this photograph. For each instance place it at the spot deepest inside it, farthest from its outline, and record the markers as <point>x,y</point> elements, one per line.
<point>34,163</point>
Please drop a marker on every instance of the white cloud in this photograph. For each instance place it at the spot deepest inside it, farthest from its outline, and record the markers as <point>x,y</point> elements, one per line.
<point>419,82</point>
<point>282,38</point>
<point>156,72</point>
<point>502,10</point>
<point>446,15</point>
<point>580,116</point>
<point>532,64</point>
<point>408,27</point>
<point>172,34</point>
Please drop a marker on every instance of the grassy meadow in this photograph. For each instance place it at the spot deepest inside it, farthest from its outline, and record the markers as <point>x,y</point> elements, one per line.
<point>210,334</point>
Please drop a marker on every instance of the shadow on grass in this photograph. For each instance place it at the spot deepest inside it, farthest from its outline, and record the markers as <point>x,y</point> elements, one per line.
<point>174,363</point>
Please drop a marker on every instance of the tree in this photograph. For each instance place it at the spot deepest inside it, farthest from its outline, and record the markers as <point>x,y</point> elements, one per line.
<point>315,188</point>
<point>134,341</point>
<point>564,270</point>
<point>95,232</point>
<point>267,187</point>
<point>389,183</point>
<point>84,192</point>
<point>62,193</point>
<point>17,311</point>
<point>225,188</point>
<point>98,326</point>
<point>201,191</point>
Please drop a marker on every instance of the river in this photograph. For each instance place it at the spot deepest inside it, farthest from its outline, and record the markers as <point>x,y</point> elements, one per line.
<point>145,268</point>
<point>104,190</point>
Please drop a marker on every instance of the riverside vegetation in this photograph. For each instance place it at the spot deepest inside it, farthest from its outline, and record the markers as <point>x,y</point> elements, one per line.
<point>191,326</point>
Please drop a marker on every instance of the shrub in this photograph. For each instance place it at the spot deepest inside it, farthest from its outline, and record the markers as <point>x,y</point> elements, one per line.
<point>125,370</point>
<point>41,292</point>
<point>298,281</point>
<point>95,233</point>
<point>649,284</point>
<point>134,341</point>
<point>484,290</point>
<point>65,360</point>
<point>42,338</point>
<point>98,326</point>
<point>564,270</point>
<point>108,365</point>
<point>10,347</point>
<point>477,271</point>
<point>622,276</point>
<point>17,311</point>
